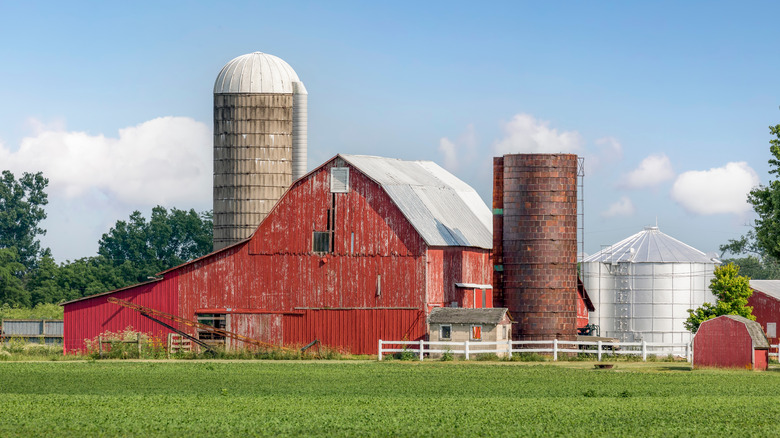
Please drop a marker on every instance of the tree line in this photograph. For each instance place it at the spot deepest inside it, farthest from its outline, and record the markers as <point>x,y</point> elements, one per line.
<point>132,251</point>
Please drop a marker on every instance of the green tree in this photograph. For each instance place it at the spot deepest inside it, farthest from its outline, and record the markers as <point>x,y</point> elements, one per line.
<point>12,291</point>
<point>21,211</point>
<point>732,291</point>
<point>138,249</point>
<point>766,203</point>
<point>756,264</point>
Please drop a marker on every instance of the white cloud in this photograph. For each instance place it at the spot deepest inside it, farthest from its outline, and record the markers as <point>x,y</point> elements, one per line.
<point>652,171</point>
<point>718,190</point>
<point>450,152</point>
<point>610,148</point>
<point>162,161</point>
<point>461,150</point>
<point>525,134</point>
<point>623,207</point>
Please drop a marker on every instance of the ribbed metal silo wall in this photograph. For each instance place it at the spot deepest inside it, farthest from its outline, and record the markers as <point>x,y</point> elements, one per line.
<point>498,231</point>
<point>252,161</point>
<point>540,245</point>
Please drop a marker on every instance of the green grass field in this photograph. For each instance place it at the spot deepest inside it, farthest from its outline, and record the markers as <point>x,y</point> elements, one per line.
<point>336,398</point>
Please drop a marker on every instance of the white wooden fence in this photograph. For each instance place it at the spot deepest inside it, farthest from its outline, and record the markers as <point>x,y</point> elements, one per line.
<point>508,348</point>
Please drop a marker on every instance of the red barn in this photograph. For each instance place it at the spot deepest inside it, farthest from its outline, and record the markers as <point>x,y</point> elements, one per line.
<point>359,249</point>
<point>730,341</point>
<point>584,305</point>
<point>766,306</point>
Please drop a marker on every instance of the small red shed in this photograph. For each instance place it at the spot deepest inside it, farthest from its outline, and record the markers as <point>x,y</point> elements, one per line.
<point>731,341</point>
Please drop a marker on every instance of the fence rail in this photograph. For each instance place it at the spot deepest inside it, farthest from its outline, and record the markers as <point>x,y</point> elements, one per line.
<point>508,348</point>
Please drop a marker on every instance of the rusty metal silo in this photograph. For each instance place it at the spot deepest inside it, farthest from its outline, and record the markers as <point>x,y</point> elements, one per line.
<point>539,244</point>
<point>260,136</point>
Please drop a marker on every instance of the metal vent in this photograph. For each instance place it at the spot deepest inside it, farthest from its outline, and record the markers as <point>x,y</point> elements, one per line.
<point>339,179</point>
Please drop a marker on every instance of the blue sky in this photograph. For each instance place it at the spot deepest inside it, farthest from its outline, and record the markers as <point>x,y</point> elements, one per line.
<point>669,102</point>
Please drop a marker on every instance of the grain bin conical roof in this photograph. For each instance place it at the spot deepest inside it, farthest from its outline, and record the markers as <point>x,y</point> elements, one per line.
<point>650,246</point>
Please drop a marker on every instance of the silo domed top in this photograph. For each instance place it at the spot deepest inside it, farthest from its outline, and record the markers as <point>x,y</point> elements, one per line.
<point>257,73</point>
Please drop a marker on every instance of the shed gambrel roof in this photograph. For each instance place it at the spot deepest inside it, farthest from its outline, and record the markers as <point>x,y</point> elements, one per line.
<point>459,315</point>
<point>443,209</point>
<point>754,329</point>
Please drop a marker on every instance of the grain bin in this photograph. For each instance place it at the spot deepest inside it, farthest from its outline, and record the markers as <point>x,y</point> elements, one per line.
<point>538,243</point>
<point>260,141</point>
<point>643,286</point>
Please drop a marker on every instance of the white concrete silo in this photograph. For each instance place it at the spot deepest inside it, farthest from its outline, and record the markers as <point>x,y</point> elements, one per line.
<point>260,141</point>
<point>643,286</point>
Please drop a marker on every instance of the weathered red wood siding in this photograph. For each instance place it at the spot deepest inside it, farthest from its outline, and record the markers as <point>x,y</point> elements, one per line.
<point>582,312</point>
<point>89,318</point>
<point>385,275</point>
<point>450,265</point>
<point>263,327</point>
<point>723,343</point>
<point>766,309</point>
<point>354,330</point>
<point>277,270</point>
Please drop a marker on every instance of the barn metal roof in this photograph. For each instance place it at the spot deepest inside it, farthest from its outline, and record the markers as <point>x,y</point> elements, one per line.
<point>650,246</point>
<point>459,315</point>
<point>257,73</point>
<point>769,287</point>
<point>443,209</point>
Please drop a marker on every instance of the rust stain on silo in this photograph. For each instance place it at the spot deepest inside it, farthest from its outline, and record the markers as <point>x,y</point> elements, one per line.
<point>539,244</point>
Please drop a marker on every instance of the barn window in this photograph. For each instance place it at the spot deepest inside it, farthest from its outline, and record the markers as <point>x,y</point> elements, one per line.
<point>445,332</point>
<point>323,241</point>
<point>339,179</point>
<point>216,320</point>
<point>504,332</point>
<point>476,332</point>
<point>771,330</point>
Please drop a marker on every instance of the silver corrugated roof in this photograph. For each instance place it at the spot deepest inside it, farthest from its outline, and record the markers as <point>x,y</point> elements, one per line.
<point>769,287</point>
<point>650,246</point>
<point>257,73</point>
<point>443,209</point>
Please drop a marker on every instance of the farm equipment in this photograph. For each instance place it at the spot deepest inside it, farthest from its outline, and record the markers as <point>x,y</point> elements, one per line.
<point>156,316</point>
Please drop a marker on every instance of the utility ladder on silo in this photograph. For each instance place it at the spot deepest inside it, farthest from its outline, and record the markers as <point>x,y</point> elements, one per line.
<point>581,208</point>
<point>623,300</point>
<point>156,315</point>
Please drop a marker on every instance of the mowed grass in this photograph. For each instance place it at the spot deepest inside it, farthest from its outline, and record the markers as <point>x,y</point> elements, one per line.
<point>248,398</point>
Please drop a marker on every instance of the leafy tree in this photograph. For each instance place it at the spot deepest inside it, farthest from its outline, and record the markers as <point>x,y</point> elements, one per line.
<point>138,249</point>
<point>12,291</point>
<point>756,264</point>
<point>762,243</point>
<point>732,291</point>
<point>21,210</point>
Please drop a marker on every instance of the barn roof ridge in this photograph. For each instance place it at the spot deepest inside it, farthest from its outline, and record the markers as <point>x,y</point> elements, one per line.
<point>443,209</point>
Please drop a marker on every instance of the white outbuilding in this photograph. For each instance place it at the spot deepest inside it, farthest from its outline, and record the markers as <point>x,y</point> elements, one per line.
<point>643,286</point>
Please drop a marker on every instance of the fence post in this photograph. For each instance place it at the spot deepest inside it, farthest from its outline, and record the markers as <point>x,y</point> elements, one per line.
<point>379,355</point>
<point>466,348</point>
<point>139,345</point>
<point>421,349</point>
<point>555,349</point>
<point>598,346</point>
<point>509,346</point>
<point>644,350</point>
<point>100,346</point>
<point>687,352</point>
